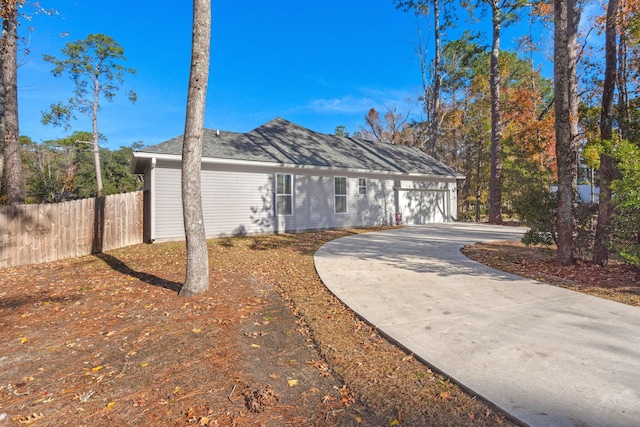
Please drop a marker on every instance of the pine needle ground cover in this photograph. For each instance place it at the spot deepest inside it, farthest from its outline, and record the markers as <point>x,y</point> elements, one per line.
<point>106,341</point>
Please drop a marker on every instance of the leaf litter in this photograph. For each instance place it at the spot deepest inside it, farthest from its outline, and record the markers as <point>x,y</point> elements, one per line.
<point>616,281</point>
<point>111,343</point>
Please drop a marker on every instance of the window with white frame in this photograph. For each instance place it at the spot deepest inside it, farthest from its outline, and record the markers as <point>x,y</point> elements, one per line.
<point>340,192</point>
<point>362,185</point>
<point>284,194</point>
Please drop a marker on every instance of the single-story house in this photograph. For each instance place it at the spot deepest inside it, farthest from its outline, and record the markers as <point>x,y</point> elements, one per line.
<point>281,177</point>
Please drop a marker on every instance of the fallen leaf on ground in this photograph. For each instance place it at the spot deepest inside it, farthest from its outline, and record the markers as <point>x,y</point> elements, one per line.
<point>29,419</point>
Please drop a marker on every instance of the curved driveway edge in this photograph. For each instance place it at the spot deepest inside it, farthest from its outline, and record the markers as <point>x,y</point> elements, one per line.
<point>546,355</point>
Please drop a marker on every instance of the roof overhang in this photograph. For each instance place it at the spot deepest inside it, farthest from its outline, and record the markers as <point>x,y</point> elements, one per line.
<point>142,159</point>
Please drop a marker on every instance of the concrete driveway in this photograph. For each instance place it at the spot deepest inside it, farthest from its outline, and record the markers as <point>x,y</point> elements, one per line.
<point>546,355</point>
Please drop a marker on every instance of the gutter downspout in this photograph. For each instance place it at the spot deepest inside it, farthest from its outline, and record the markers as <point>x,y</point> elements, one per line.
<point>396,200</point>
<point>152,195</point>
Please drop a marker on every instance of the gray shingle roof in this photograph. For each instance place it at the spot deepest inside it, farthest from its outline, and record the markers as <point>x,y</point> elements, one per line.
<point>280,141</point>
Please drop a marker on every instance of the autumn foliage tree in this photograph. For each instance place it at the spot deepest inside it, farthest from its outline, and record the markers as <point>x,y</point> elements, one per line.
<point>528,134</point>
<point>393,127</point>
<point>532,137</point>
<point>465,130</point>
<point>503,12</point>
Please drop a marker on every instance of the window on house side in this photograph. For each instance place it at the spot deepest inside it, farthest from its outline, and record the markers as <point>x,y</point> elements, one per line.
<point>284,194</point>
<point>362,185</point>
<point>340,191</point>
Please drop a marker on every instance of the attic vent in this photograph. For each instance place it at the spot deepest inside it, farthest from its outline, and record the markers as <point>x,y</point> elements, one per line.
<point>217,132</point>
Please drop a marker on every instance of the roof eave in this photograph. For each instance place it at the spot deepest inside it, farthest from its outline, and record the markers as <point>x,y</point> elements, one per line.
<point>286,166</point>
<point>139,164</point>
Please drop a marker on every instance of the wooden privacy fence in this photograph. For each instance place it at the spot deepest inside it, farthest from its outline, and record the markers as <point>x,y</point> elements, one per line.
<point>32,234</point>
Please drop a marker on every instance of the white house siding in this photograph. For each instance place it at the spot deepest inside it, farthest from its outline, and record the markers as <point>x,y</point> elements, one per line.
<point>377,207</point>
<point>168,202</point>
<point>314,205</point>
<point>237,202</point>
<point>241,200</point>
<point>233,202</point>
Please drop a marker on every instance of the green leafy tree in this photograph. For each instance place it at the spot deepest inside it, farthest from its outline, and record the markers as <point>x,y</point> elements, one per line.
<point>537,206</point>
<point>95,66</point>
<point>115,170</point>
<point>62,169</point>
<point>117,178</point>
<point>601,252</point>
<point>341,130</point>
<point>466,124</point>
<point>625,228</point>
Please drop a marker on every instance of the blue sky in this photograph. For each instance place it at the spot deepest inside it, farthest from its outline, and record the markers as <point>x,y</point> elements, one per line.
<point>318,64</point>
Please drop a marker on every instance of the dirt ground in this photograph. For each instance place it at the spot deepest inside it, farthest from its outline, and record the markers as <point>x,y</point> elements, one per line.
<point>106,341</point>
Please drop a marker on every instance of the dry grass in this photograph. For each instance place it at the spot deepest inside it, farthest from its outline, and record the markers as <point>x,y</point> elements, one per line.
<point>106,341</point>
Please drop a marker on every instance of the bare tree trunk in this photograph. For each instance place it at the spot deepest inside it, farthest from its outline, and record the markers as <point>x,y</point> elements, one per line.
<point>96,135</point>
<point>565,82</point>
<point>495,182</point>
<point>197,276</point>
<point>434,101</point>
<point>601,250</point>
<point>478,186</point>
<point>13,178</point>
<point>2,129</point>
<point>624,117</point>
<point>466,188</point>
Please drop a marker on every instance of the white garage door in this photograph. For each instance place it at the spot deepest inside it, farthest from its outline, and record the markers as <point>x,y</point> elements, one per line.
<point>422,206</point>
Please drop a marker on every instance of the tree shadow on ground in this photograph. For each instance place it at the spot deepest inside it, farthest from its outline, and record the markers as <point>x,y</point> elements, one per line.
<point>35,299</point>
<point>306,243</point>
<point>151,279</point>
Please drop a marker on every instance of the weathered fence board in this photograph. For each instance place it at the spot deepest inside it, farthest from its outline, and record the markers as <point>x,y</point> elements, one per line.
<point>31,234</point>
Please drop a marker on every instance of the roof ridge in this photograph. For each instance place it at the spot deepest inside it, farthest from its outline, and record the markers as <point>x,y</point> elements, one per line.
<point>282,141</point>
